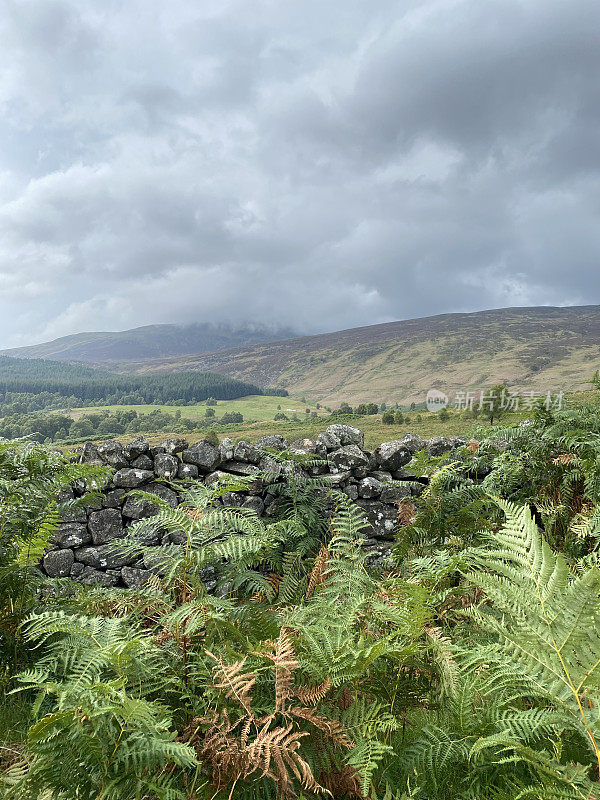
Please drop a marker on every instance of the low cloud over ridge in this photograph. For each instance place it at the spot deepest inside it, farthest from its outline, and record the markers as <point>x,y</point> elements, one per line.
<point>314,165</point>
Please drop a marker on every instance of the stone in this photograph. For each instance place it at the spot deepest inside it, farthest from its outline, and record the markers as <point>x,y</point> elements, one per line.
<point>187,472</point>
<point>90,577</point>
<point>352,491</point>
<point>382,476</point>
<point>139,508</point>
<point>90,454</point>
<point>336,481</point>
<point>360,472</point>
<point>413,442</point>
<point>382,519</point>
<point>239,468</point>
<point>392,455</point>
<point>112,453</point>
<point>437,445</point>
<point>243,451</point>
<point>226,448</point>
<point>72,534</point>
<point>270,466</point>
<point>114,498</point>
<point>134,578</point>
<point>347,434</point>
<point>132,478</point>
<point>328,441</point>
<point>76,569</point>
<point>173,446</point>
<point>105,525</point>
<point>215,477</point>
<point>136,448</point>
<point>74,514</point>
<point>142,462</point>
<point>273,442</point>
<point>254,503</point>
<point>105,556</point>
<point>303,446</point>
<point>233,499</point>
<point>348,457</point>
<point>156,450</point>
<point>203,455</point>
<point>369,488</point>
<point>166,466</point>
<point>58,563</point>
<point>394,492</point>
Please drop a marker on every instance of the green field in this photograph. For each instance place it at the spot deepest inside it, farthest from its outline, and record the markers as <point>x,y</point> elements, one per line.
<point>254,408</point>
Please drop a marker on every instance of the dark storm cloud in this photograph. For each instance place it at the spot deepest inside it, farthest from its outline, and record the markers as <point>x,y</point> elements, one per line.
<point>313,164</point>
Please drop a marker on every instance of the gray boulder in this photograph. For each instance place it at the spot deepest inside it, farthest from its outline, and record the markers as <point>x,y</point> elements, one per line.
<point>381,518</point>
<point>173,446</point>
<point>254,503</point>
<point>94,577</point>
<point>395,492</point>
<point>134,578</point>
<point>270,466</point>
<point>105,525</point>
<point>114,498</point>
<point>72,534</point>
<point>202,455</point>
<point>274,442</point>
<point>136,448</point>
<point>142,462</point>
<point>105,556</point>
<point>187,472</point>
<point>438,445</point>
<point>132,478</point>
<point>391,456</point>
<point>347,434</point>
<point>58,563</point>
<point>303,446</point>
<point>240,468</point>
<point>140,508</point>
<point>226,448</point>
<point>166,466</point>
<point>233,499</point>
<point>369,488</point>
<point>112,453</point>
<point>244,451</point>
<point>328,441</point>
<point>348,457</point>
<point>352,491</point>
<point>413,442</point>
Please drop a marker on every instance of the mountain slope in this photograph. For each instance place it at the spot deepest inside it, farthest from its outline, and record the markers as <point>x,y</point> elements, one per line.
<point>148,342</point>
<point>541,349</point>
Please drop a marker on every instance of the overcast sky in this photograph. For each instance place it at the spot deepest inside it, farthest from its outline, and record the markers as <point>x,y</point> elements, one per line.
<point>318,164</point>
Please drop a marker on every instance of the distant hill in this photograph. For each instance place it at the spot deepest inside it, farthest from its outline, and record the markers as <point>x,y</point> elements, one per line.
<point>542,348</point>
<point>148,342</point>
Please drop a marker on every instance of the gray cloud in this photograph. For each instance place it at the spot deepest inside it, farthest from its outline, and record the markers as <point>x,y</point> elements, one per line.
<point>320,165</point>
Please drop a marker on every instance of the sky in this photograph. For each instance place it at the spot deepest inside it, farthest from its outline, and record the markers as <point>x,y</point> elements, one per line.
<point>315,164</point>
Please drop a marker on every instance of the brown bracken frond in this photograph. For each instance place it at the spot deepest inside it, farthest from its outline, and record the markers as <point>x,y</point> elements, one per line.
<point>284,659</point>
<point>235,684</point>
<point>473,445</point>
<point>316,575</point>
<point>407,512</point>
<point>564,459</point>
<point>332,728</point>
<point>344,782</point>
<point>193,513</point>
<point>311,695</point>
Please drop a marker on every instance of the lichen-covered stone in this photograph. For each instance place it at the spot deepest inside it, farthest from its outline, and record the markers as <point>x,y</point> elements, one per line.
<point>112,453</point>
<point>132,478</point>
<point>203,455</point>
<point>369,488</point>
<point>392,455</point>
<point>142,462</point>
<point>273,442</point>
<point>136,448</point>
<point>395,492</point>
<point>187,472</point>
<point>176,445</point>
<point>134,578</point>
<point>166,466</point>
<point>347,434</point>
<point>72,534</point>
<point>243,451</point>
<point>58,563</point>
<point>105,525</point>
<point>381,517</point>
<point>106,556</point>
<point>348,457</point>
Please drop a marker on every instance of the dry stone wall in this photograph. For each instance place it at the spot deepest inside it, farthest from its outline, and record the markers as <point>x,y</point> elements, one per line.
<point>84,544</point>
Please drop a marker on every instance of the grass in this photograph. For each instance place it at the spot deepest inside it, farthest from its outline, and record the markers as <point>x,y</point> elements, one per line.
<point>254,408</point>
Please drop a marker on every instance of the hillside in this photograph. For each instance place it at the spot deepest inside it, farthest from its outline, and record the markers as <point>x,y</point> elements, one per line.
<point>541,349</point>
<point>147,342</point>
